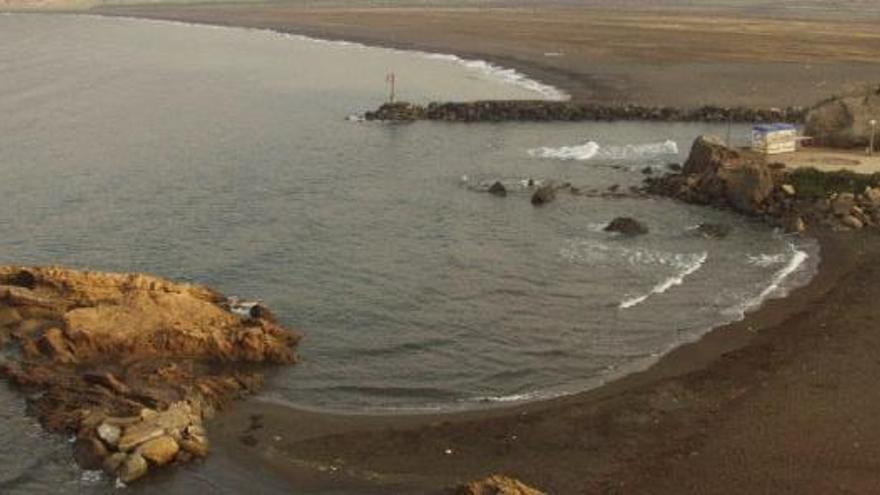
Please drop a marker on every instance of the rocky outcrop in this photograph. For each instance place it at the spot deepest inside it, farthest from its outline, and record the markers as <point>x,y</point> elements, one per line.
<point>718,175</point>
<point>568,111</point>
<point>845,121</point>
<point>793,200</point>
<point>497,485</point>
<point>131,364</point>
<point>626,226</point>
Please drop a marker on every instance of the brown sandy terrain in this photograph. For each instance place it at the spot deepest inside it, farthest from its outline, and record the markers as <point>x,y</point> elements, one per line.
<point>642,52</point>
<point>830,159</point>
<point>782,402</point>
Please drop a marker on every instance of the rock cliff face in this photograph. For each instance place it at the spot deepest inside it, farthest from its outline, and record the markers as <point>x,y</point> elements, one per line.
<point>129,363</point>
<point>845,121</point>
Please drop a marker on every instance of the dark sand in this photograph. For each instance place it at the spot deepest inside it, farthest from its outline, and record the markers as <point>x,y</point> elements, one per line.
<point>638,51</point>
<point>785,401</point>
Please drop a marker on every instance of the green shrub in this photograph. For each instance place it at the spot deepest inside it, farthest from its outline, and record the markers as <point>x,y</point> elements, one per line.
<point>811,183</point>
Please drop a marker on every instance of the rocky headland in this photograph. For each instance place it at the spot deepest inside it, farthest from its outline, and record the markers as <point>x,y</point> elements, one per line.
<point>845,121</point>
<point>130,364</point>
<point>752,184</point>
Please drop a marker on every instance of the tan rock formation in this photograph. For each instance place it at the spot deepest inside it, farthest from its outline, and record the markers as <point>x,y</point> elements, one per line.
<point>130,363</point>
<point>497,485</point>
<point>845,121</point>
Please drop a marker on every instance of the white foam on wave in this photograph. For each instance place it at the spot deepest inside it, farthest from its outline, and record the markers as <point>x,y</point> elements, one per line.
<point>91,477</point>
<point>675,280</point>
<point>590,251</point>
<point>581,152</point>
<point>795,262</point>
<point>506,398</point>
<point>522,397</point>
<point>593,150</point>
<point>767,260</point>
<point>593,252</point>
<point>503,74</point>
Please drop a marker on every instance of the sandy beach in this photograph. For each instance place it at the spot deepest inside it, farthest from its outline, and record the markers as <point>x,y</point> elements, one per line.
<point>782,402</point>
<point>643,52</point>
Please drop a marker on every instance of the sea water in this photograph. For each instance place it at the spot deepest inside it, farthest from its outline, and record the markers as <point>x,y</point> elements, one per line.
<point>225,157</point>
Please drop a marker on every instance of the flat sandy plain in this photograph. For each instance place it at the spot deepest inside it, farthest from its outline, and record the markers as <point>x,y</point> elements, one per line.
<point>639,51</point>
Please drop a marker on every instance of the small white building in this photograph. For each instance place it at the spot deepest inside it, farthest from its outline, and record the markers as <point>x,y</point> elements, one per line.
<point>771,139</point>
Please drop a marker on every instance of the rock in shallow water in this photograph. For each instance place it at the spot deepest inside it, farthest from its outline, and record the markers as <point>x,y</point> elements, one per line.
<point>129,361</point>
<point>498,189</point>
<point>713,230</point>
<point>544,195</point>
<point>626,226</point>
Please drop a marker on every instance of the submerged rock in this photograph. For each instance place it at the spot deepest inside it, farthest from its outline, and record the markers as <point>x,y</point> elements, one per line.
<point>497,485</point>
<point>626,226</point>
<point>129,363</point>
<point>713,230</point>
<point>543,195</point>
<point>793,224</point>
<point>498,189</point>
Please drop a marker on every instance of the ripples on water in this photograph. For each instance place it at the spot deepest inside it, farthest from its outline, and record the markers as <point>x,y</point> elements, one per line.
<point>223,156</point>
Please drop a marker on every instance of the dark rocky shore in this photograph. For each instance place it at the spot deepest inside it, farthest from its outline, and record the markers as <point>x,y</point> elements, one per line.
<point>568,111</point>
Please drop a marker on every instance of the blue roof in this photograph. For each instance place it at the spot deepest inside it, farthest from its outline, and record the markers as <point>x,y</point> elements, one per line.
<point>774,127</point>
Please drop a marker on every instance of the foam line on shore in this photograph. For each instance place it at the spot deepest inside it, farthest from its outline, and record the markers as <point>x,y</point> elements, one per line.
<point>798,258</point>
<point>497,72</point>
<point>668,283</point>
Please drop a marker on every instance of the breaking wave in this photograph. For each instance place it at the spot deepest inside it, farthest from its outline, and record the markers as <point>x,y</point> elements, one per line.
<point>594,252</point>
<point>593,150</point>
<point>767,260</point>
<point>686,269</point>
<point>509,76</point>
<point>797,259</point>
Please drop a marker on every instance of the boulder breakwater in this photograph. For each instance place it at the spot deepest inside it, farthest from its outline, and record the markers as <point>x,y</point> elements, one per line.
<point>566,111</point>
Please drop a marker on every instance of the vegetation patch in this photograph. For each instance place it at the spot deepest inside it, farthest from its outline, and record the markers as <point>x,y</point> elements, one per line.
<point>811,183</point>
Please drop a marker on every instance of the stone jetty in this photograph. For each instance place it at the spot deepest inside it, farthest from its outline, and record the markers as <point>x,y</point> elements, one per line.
<point>567,111</point>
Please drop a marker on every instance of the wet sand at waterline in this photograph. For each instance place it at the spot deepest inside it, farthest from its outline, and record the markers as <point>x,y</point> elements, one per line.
<point>781,402</point>
<point>645,52</point>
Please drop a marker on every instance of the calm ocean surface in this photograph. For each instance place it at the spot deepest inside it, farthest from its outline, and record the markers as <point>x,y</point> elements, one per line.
<point>224,156</point>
